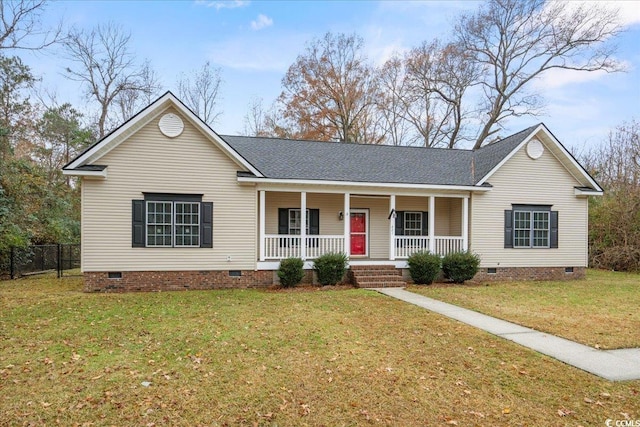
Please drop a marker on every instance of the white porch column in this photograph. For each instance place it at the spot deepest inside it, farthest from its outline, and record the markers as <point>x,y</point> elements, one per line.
<point>347,224</point>
<point>392,227</point>
<point>465,223</point>
<point>432,224</point>
<point>261,223</point>
<point>303,225</point>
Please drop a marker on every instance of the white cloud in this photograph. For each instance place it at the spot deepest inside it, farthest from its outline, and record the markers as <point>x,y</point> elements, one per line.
<point>556,78</point>
<point>263,21</point>
<point>223,4</point>
<point>629,10</point>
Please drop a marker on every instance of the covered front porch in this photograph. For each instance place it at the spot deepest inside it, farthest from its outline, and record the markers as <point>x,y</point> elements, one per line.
<point>369,228</point>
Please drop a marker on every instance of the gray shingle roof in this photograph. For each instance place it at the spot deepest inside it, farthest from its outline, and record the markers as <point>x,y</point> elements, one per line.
<point>488,157</point>
<point>333,161</point>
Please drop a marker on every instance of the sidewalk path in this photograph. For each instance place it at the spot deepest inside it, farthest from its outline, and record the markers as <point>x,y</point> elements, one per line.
<point>613,365</point>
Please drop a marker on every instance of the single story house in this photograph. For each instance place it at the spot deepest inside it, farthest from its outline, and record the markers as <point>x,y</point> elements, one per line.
<point>167,203</point>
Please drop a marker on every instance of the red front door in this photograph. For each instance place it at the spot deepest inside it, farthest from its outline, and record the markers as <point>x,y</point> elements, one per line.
<point>358,233</point>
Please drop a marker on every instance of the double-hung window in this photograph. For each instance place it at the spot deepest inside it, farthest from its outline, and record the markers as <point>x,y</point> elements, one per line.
<point>531,226</point>
<point>295,221</point>
<point>172,221</point>
<point>173,224</point>
<point>413,224</point>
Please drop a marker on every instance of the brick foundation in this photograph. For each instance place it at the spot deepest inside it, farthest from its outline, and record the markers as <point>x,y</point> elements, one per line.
<point>145,281</point>
<point>529,273</point>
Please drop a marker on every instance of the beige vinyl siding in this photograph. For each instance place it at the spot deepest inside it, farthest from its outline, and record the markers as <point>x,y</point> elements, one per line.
<point>522,180</point>
<point>150,162</point>
<point>328,204</point>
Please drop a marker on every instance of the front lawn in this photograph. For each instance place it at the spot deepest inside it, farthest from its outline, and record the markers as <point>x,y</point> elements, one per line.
<point>601,311</point>
<point>249,357</point>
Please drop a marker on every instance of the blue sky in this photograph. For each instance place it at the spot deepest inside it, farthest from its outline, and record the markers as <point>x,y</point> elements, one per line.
<point>255,42</point>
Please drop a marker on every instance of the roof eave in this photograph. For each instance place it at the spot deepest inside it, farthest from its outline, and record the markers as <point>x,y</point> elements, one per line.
<point>258,180</point>
<point>86,173</point>
<point>578,191</point>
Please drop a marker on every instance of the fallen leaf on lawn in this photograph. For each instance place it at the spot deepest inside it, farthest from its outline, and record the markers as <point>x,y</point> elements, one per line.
<point>45,404</point>
<point>607,395</point>
<point>506,411</point>
<point>75,356</point>
<point>97,377</point>
<point>467,392</point>
<point>563,412</point>
<point>477,414</point>
<point>587,400</point>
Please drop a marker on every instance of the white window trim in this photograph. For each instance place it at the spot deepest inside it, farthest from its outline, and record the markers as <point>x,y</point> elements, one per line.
<point>289,220</point>
<point>173,224</point>
<point>419,229</point>
<point>532,229</point>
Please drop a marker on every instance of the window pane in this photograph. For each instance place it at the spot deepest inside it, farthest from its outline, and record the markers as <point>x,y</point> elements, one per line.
<point>295,221</point>
<point>159,223</point>
<point>413,223</point>
<point>541,229</point>
<point>521,229</point>
<point>187,225</point>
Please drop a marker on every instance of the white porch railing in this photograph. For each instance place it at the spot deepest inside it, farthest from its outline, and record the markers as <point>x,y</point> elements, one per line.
<point>280,246</point>
<point>443,245</point>
<point>407,245</point>
<point>447,244</point>
<point>320,245</point>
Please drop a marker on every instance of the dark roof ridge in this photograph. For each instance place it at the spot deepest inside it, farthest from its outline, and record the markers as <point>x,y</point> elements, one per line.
<point>272,138</point>
<point>526,130</point>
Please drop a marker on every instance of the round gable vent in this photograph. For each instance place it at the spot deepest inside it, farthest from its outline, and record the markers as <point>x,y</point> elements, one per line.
<point>171,125</point>
<point>535,149</point>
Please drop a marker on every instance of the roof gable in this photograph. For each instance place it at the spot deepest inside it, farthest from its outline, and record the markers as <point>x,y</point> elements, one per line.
<point>490,158</point>
<point>120,134</point>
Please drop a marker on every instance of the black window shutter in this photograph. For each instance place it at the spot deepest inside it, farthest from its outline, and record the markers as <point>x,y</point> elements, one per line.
<point>314,221</point>
<point>283,224</point>
<point>137,224</point>
<point>283,221</point>
<point>425,223</point>
<point>206,224</point>
<point>314,225</point>
<point>508,229</point>
<point>553,238</point>
<point>399,223</point>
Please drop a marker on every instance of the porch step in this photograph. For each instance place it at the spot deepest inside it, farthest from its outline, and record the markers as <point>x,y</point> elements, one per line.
<point>376,276</point>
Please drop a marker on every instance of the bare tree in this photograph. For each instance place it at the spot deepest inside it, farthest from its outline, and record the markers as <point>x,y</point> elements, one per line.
<point>200,91</point>
<point>130,101</point>
<point>438,76</point>
<point>328,91</point>
<point>254,119</point>
<point>391,84</point>
<point>21,25</point>
<point>616,162</point>
<point>516,41</point>
<point>104,64</point>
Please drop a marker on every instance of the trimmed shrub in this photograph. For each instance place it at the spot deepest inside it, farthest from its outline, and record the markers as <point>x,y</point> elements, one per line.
<point>291,272</point>
<point>330,268</point>
<point>424,267</point>
<point>460,266</point>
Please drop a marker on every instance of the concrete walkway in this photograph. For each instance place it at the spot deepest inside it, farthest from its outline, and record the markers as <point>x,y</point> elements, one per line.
<point>613,365</point>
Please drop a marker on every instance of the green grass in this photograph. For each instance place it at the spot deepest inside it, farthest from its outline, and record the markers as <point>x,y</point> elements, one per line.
<point>600,311</point>
<point>250,357</point>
